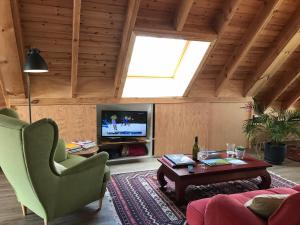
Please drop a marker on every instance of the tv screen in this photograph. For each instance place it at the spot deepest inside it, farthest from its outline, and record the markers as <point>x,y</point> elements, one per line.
<point>124,124</point>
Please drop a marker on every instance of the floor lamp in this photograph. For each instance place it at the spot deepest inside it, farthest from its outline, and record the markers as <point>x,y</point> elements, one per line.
<point>34,64</point>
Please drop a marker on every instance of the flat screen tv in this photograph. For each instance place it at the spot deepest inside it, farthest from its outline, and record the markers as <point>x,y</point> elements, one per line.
<point>123,124</point>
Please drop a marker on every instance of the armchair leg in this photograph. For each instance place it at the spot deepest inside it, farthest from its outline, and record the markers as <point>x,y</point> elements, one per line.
<point>100,203</point>
<point>24,210</point>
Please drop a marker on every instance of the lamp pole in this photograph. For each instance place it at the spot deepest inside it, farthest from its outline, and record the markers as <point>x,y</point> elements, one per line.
<point>34,64</point>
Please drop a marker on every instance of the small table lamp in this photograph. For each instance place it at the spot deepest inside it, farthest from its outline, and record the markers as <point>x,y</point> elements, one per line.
<point>34,64</point>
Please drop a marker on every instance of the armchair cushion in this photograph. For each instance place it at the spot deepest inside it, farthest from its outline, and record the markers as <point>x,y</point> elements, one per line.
<point>59,168</point>
<point>60,151</point>
<point>92,162</point>
<point>72,160</point>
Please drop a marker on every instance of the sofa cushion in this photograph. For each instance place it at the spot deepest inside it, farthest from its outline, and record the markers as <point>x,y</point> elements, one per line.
<point>230,212</point>
<point>265,205</point>
<point>288,212</point>
<point>196,209</point>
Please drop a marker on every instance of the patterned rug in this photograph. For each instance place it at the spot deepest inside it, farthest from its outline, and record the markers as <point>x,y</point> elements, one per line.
<point>139,201</point>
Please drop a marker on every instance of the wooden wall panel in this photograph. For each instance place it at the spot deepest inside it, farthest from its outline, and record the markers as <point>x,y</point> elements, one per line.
<point>74,121</point>
<point>176,125</point>
<point>225,125</point>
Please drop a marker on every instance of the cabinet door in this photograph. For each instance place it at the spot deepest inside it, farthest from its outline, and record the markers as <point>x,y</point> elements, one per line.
<point>176,125</point>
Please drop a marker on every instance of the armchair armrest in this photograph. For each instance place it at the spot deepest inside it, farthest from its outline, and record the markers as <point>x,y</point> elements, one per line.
<point>97,160</point>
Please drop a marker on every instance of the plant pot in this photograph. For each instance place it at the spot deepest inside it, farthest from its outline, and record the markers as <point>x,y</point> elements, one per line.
<point>275,153</point>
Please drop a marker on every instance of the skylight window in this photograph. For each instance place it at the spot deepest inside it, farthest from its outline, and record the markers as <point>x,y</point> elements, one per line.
<point>162,67</point>
<point>156,57</point>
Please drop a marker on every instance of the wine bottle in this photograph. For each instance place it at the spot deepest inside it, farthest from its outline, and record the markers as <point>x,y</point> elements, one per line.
<point>195,149</point>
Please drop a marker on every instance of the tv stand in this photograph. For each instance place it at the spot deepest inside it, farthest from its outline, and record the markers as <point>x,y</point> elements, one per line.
<point>121,141</point>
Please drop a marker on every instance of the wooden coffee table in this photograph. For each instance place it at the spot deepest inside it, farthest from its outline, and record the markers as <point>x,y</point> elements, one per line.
<point>213,174</point>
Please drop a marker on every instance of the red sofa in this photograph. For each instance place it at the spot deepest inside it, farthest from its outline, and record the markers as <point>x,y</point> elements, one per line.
<point>230,209</point>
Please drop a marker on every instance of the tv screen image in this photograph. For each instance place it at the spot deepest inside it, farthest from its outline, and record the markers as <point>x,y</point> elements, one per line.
<point>124,124</point>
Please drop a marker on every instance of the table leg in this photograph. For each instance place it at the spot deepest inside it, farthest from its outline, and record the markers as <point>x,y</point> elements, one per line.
<point>265,180</point>
<point>180,193</point>
<point>161,177</point>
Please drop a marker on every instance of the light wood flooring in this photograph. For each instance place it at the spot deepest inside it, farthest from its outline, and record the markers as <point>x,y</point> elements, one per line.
<point>11,214</point>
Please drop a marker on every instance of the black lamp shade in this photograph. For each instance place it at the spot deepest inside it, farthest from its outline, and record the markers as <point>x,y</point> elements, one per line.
<point>34,62</point>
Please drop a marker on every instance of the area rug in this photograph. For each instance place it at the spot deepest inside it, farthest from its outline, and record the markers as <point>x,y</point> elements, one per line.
<point>139,201</point>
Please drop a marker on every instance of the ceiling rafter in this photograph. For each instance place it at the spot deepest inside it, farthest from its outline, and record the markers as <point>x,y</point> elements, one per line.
<point>282,86</point>
<point>126,47</point>
<point>9,54</point>
<point>222,22</point>
<point>262,19</point>
<point>288,41</point>
<point>75,45</point>
<point>19,37</point>
<point>291,98</point>
<point>182,14</point>
<point>223,19</point>
<point>199,69</point>
<point>169,32</point>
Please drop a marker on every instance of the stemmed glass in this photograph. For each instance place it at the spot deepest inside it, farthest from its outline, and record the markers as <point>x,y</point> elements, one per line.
<point>202,155</point>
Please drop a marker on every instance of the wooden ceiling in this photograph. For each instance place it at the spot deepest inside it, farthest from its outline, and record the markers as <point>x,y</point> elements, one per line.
<point>255,48</point>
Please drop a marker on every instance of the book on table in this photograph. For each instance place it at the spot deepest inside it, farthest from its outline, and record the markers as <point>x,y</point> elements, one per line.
<point>179,160</point>
<point>221,162</point>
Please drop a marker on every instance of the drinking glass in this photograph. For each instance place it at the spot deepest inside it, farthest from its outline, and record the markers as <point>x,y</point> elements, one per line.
<point>202,155</point>
<point>230,149</point>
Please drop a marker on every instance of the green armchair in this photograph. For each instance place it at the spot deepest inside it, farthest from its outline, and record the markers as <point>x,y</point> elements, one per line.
<point>45,179</point>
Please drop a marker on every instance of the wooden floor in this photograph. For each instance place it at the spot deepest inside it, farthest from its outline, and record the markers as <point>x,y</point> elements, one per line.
<point>10,210</point>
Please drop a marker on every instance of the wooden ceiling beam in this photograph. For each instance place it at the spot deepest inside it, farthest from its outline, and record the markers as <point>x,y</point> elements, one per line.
<point>126,47</point>
<point>114,100</point>
<point>10,63</point>
<point>15,7</point>
<point>169,32</point>
<point>223,19</point>
<point>229,9</point>
<point>199,69</point>
<point>262,19</point>
<point>75,45</point>
<point>291,99</point>
<point>281,87</point>
<point>182,14</point>
<point>288,41</point>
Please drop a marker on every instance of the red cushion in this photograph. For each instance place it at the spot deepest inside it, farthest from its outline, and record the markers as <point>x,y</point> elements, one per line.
<point>225,210</point>
<point>196,209</point>
<point>288,213</point>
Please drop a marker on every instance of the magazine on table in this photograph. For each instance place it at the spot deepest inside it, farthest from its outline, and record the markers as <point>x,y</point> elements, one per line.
<point>225,161</point>
<point>180,159</point>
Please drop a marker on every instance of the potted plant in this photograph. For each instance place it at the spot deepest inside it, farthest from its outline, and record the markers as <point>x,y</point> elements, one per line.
<point>273,129</point>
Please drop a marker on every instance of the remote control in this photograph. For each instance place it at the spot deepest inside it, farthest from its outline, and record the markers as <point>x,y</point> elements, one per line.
<point>191,169</point>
